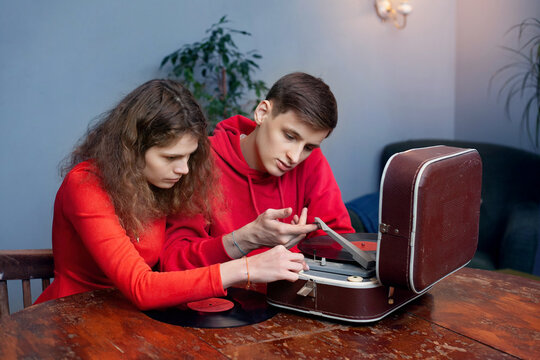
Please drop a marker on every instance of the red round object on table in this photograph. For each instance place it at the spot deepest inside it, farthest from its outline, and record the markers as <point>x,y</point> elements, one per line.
<point>211,305</point>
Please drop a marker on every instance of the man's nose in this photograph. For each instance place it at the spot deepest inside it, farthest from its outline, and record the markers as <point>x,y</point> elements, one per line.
<point>294,154</point>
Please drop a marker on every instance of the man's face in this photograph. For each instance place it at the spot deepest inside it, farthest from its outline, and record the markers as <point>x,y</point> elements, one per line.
<point>164,166</point>
<point>284,141</point>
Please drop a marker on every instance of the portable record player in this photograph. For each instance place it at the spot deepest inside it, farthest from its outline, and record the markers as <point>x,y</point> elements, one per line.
<point>428,228</point>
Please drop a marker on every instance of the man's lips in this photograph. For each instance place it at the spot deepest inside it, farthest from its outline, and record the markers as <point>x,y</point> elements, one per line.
<point>282,166</point>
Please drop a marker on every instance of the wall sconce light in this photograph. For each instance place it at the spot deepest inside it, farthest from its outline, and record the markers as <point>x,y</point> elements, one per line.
<point>386,11</point>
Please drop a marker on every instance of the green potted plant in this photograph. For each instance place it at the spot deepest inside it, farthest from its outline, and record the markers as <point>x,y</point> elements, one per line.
<point>522,78</point>
<point>217,73</point>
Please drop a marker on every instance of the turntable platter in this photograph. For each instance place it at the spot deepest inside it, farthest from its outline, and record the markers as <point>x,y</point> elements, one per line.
<point>325,246</point>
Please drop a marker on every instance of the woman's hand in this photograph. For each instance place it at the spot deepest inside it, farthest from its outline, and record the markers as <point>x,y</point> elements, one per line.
<point>275,264</point>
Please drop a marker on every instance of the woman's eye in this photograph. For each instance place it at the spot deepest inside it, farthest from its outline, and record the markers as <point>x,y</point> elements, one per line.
<point>289,136</point>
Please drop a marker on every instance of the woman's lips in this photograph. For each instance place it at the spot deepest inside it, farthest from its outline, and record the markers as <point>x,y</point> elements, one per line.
<point>171,180</point>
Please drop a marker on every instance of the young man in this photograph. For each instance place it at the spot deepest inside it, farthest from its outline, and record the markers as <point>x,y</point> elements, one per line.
<point>274,180</point>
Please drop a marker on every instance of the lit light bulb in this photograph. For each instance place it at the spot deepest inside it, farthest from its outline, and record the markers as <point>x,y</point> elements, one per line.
<point>397,15</point>
<point>404,8</point>
<point>384,7</point>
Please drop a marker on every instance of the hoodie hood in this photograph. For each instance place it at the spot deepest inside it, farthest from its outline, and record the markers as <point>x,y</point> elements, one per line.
<point>226,145</point>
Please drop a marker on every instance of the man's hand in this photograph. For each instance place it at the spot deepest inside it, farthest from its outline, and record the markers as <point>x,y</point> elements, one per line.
<point>268,231</point>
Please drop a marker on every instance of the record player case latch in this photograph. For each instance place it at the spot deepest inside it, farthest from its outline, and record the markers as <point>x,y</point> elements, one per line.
<point>309,289</point>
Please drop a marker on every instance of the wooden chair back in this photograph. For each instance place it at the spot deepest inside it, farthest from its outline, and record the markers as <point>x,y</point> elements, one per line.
<point>24,265</point>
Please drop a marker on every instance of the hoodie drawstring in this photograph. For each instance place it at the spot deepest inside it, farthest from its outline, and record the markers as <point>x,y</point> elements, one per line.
<point>252,194</point>
<point>280,192</point>
<point>254,199</point>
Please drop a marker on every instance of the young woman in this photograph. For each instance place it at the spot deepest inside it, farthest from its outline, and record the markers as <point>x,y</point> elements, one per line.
<point>144,160</point>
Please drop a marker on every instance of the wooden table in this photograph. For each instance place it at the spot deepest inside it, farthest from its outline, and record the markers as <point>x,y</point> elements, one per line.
<point>473,314</point>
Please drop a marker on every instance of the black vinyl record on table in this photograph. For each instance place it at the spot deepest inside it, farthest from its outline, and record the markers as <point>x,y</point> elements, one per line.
<point>250,307</point>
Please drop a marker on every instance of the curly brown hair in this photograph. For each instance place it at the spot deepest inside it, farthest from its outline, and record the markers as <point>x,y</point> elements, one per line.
<point>156,113</point>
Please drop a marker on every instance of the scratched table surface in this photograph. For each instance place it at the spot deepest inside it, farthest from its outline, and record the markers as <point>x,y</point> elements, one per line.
<point>472,314</point>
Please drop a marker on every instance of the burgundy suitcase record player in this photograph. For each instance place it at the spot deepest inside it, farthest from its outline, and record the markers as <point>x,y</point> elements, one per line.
<point>428,228</point>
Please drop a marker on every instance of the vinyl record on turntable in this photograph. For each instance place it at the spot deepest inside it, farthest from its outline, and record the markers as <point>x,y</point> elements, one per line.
<point>240,307</point>
<point>325,247</point>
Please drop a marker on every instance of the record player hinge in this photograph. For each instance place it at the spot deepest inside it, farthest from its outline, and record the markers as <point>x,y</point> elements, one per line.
<point>386,229</point>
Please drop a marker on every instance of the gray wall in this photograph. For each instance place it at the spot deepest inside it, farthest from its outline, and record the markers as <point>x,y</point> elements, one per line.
<point>64,62</point>
<point>482,27</point>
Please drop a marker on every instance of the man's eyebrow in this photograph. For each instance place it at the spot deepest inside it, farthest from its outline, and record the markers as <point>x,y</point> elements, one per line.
<point>298,136</point>
<point>294,132</point>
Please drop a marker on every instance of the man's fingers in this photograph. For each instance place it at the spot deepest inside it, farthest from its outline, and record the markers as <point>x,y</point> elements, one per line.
<point>279,213</point>
<point>303,217</point>
<point>294,241</point>
<point>297,229</point>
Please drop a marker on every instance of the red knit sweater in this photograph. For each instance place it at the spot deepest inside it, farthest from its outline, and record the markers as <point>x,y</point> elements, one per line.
<point>92,251</point>
<point>191,242</point>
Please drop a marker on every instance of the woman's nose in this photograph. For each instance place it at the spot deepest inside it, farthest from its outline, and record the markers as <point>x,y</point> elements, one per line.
<point>181,167</point>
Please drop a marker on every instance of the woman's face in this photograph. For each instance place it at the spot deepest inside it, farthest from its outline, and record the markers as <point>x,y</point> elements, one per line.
<point>165,165</point>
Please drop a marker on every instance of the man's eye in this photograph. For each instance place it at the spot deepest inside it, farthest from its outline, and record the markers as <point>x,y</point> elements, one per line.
<point>309,148</point>
<point>289,136</point>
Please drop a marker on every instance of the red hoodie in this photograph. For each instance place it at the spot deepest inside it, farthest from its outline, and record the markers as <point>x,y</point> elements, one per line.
<point>192,242</point>
<point>92,251</point>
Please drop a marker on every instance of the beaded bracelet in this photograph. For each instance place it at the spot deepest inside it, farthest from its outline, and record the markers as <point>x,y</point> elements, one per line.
<point>238,246</point>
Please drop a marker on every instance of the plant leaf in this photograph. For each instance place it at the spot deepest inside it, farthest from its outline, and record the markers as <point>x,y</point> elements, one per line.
<point>205,58</point>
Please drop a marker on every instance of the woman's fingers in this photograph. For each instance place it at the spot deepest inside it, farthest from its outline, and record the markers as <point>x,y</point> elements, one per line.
<point>277,263</point>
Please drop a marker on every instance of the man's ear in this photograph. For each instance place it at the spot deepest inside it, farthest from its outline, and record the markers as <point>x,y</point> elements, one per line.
<point>262,111</point>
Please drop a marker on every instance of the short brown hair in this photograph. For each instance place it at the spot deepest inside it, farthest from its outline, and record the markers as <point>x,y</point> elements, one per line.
<point>154,114</point>
<point>308,96</point>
